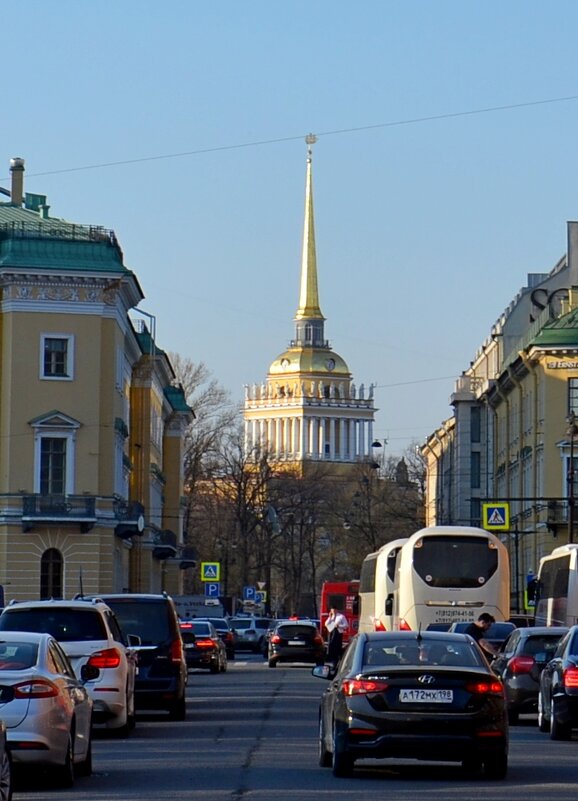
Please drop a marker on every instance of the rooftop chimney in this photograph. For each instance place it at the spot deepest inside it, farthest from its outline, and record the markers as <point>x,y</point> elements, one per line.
<point>17,170</point>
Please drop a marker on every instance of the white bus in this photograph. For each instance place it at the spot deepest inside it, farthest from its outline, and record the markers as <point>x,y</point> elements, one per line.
<point>557,588</point>
<point>451,573</point>
<point>377,587</point>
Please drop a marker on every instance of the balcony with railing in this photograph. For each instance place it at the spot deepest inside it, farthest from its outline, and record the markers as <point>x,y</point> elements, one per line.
<point>67,509</point>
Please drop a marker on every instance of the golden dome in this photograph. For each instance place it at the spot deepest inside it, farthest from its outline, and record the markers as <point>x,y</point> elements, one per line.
<point>309,361</point>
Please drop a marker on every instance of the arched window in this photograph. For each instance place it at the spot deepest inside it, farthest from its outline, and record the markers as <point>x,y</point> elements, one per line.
<point>51,569</point>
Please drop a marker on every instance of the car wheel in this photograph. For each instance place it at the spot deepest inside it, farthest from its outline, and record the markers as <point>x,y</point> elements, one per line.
<point>558,731</point>
<point>272,663</point>
<point>496,767</point>
<point>513,717</point>
<point>341,760</point>
<point>325,758</point>
<point>543,721</point>
<point>178,710</point>
<point>64,774</point>
<point>5,777</point>
<point>84,768</point>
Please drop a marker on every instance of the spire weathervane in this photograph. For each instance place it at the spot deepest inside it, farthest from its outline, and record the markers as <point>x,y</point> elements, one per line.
<point>310,140</point>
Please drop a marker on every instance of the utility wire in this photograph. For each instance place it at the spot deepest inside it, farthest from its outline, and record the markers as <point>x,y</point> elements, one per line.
<point>336,132</point>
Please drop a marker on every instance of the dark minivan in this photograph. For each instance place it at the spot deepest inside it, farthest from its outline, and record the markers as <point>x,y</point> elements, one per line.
<point>162,669</point>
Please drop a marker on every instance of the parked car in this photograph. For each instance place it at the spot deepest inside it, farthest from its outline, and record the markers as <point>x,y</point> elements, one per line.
<point>497,634</point>
<point>296,641</point>
<point>407,695</point>
<point>265,641</point>
<point>520,663</point>
<point>225,632</point>
<point>203,646</point>
<point>249,632</point>
<point>5,766</point>
<point>46,708</point>
<point>162,670</point>
<point>89,634</point>
<point>558,698</point>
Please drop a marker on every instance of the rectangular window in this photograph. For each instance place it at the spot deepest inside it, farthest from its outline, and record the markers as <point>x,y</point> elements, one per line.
<point>57,356</point>
<point>475,424</point>
<point>573,395</point>
<point>53,466</point>
<point>475,470</point>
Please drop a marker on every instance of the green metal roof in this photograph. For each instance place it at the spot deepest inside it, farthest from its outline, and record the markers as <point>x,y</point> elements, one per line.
<point>176,397</point>
<point>30,240</point>
<point>560,332</point>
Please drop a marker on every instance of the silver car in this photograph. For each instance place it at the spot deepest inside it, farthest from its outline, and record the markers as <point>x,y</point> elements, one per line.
<point>46,708</point>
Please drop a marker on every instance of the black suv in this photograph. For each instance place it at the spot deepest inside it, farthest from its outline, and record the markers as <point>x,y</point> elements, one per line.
<point>162,669</point>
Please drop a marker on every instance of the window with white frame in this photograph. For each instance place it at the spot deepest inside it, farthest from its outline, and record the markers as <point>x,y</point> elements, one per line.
<point>57,356</point>
<point>573,395</point>
<point>54,454</point>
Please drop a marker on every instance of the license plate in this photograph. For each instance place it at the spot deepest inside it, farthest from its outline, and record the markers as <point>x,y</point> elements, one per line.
<point>426,696</point>
<point>296,642</point>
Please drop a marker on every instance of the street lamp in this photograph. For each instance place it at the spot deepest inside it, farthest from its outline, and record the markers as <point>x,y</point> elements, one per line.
<point>571,432</point>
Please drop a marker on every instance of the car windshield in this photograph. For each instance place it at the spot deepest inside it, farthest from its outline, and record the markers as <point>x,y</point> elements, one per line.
<point>410,652</point>
<point>17,655</point>
<point>63,623</point>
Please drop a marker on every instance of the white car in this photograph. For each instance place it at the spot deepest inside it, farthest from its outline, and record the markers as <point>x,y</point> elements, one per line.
<point>46,708</point>
<point>89,634</point>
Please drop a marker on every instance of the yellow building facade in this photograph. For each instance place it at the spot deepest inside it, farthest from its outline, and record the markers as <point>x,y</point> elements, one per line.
<point>91,424</point>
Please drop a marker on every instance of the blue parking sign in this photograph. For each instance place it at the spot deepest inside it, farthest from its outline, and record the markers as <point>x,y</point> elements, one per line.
<point>212,589</point>
<point>248,593</point>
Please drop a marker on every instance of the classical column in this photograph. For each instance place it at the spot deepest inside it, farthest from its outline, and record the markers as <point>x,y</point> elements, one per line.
<point>352,448</point>
<point>279,436</point>
<point>322,437</point>
<point>332,438</point>
<point>303,434</point>
<point>342,442</point>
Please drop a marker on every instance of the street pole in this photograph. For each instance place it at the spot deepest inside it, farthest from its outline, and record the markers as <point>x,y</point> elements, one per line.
<point>571,419</point>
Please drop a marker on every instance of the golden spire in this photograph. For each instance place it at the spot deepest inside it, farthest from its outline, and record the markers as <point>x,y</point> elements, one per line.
<point>309,295</point>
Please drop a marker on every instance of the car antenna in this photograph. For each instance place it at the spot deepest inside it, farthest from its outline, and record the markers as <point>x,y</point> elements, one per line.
<point>419,637</point>
<point>80,582</point>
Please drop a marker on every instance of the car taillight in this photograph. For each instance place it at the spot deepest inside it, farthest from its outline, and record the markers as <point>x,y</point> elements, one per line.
<point>38,688</point>
<point>176,651</point>
<point>570,677</point>
<point>275,638</point>
<point>204,643</point>
<point>228,636</point>
<point>521,664</point>
<point>404,625</point>
<point>110,658</point>
<point>318,639</point>
<point>363,686</point>
<point>378,626</point>
<point>485,688</point>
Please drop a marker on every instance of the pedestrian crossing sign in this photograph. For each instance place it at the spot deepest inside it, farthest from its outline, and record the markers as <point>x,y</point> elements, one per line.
<point>210,571</point>
<point>496,516</point>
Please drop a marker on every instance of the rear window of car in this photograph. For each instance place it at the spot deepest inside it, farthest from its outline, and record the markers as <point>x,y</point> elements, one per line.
<point>540,644</point>
<point>294,629</point>
<point>17,655</point>
<point>148,619</point>
<point>242,623</point>
<point>404,652</point>
<point>64,624</point>
<point>262,624</point>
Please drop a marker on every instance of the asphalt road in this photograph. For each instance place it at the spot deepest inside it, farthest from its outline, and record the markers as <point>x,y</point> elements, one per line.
<point>250,735</point>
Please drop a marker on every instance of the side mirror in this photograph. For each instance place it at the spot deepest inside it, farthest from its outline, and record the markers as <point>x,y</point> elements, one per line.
<point>322,672</point>
<point>133,640</point>
<point>89,673</point>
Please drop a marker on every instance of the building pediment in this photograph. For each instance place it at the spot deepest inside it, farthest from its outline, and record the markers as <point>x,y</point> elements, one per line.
<point>54,420</point>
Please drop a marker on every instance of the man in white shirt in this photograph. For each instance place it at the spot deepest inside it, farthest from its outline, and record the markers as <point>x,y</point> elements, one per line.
<point>336,624</point>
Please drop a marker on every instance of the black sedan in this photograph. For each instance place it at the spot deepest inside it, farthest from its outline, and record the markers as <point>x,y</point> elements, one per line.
<point>203,646</point>
<point>558,699</point>
<point>520,663</point>
<point>430,696</point>
<point>296,641</point>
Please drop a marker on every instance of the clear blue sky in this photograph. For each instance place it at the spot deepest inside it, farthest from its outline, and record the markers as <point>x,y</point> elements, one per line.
<point>425,231</point>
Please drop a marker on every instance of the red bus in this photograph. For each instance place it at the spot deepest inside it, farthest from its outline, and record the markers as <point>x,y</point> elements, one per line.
<point>343,595</point>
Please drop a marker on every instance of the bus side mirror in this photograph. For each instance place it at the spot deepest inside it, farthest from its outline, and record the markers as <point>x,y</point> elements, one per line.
<point>389,605</point>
